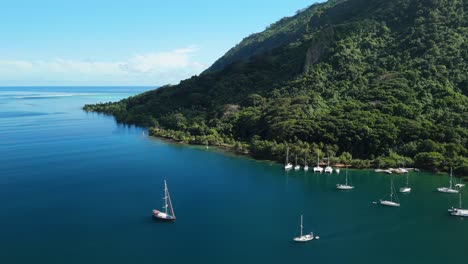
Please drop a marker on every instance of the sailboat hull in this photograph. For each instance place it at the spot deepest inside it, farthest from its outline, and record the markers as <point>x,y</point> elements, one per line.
<point>389,203</point>
<point>459,212</point>
<point>344,187</point>
<point>305,238</point>
<point>405,190</point>
<point>163,216</point>
<point>447,190</point>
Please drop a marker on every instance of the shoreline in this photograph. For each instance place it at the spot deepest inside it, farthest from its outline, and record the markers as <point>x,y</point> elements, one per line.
<point>227,149</point>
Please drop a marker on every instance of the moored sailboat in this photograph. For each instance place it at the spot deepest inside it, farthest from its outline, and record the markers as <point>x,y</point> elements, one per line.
<point>318,168</point>
<point>297,167</point>
<point>306,167</point>
<point>304,238</point>
<point>168,211</point>
<point>406,189</point>
<point>459,211</point>
<point>393,202</point>
<point>450,188</point>
<point>287,165</point>
<point>328,169</point>
<point>345,186</point>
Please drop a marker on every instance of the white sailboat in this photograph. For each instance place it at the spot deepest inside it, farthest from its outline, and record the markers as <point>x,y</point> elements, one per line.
<point>450,188</point>
<point>459,211</point>
<point>297,167</point>
<point>406,189</point>
<point>287,165</point>
<point>391,202</point>
<point>328,169</point>
<point>306,167</point>
<point>168,214</point>
<point>337,170</point>
<point>304,238</point>
<point>318,168</point>
<point>345,186</point>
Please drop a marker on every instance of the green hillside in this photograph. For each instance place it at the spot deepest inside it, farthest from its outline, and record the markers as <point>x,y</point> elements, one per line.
<point>385,81</point>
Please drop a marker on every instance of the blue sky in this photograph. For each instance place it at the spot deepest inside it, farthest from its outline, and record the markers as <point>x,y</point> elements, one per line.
<point>101,42</point>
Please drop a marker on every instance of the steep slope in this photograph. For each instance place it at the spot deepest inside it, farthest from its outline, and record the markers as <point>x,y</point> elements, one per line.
<point>383,80</point>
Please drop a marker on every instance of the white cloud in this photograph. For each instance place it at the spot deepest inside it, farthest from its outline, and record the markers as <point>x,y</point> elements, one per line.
<point>143,69</point>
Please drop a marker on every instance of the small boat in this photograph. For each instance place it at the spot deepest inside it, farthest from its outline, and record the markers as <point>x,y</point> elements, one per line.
<point>450,188</point>
<point>403,170</point>
<point>337,170</point>
<point>459,211</point>
<point>306,167</point>
<point>287,165</point>
<point>304,238</point>
<point>297,167</point>
<point>168,214</point>
<point>391,202</point>
<point>328,169</point>
<point>406,189</point>
<point>318,168</point>
<point>345,186</point>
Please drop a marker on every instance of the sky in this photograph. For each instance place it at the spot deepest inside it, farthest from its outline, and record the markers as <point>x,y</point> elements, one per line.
<point>135,43</point>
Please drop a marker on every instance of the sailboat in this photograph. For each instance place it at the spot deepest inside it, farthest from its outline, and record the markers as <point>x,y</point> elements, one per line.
<point>337,170</point>
<point>406,189</point>
<point>459,211</point>
<point>287,165</point>
<point>304,238</point>
<point>345,186</point>
<point>168,214</point>
<point>392,193</point>
<point>306,167</point>
<point>328,169</point>
<point>318,168</point>
<point>297,167</point>
<point>450,188</point>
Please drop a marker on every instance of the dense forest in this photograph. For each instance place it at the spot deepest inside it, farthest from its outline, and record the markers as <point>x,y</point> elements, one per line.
<point>385,82</point>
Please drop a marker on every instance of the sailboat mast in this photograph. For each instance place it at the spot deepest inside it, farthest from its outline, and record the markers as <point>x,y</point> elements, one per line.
<point>346,174</point>
<point>391,189</point>
<point>451,176</point>
<point>165,197</point>
<point>460,200</point>
<point>287,155</point>
<point>318,159</point>
<point>301,225</point>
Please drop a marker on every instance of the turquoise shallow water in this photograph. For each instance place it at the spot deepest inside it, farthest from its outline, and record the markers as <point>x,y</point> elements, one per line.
<point>79,188</point>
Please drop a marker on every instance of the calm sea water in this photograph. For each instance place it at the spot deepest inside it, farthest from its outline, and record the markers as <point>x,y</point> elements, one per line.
<point>76,187</point>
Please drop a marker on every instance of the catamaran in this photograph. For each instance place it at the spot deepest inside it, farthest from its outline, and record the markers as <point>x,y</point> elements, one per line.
<point>318,168</point>
<point>391,203</point>
<point>459,211</point>
<point>168,214</point>
<point>328,169</point>
<point>287,165</point>
<point>450,188</point>
<point>406,189</point>
<point>297,167</point>
<point>345,186</point>
<point>306,167</point>
<point>304,238</point>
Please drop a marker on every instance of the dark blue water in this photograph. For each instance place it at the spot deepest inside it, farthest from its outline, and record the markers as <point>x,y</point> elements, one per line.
<point>76,187</point>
